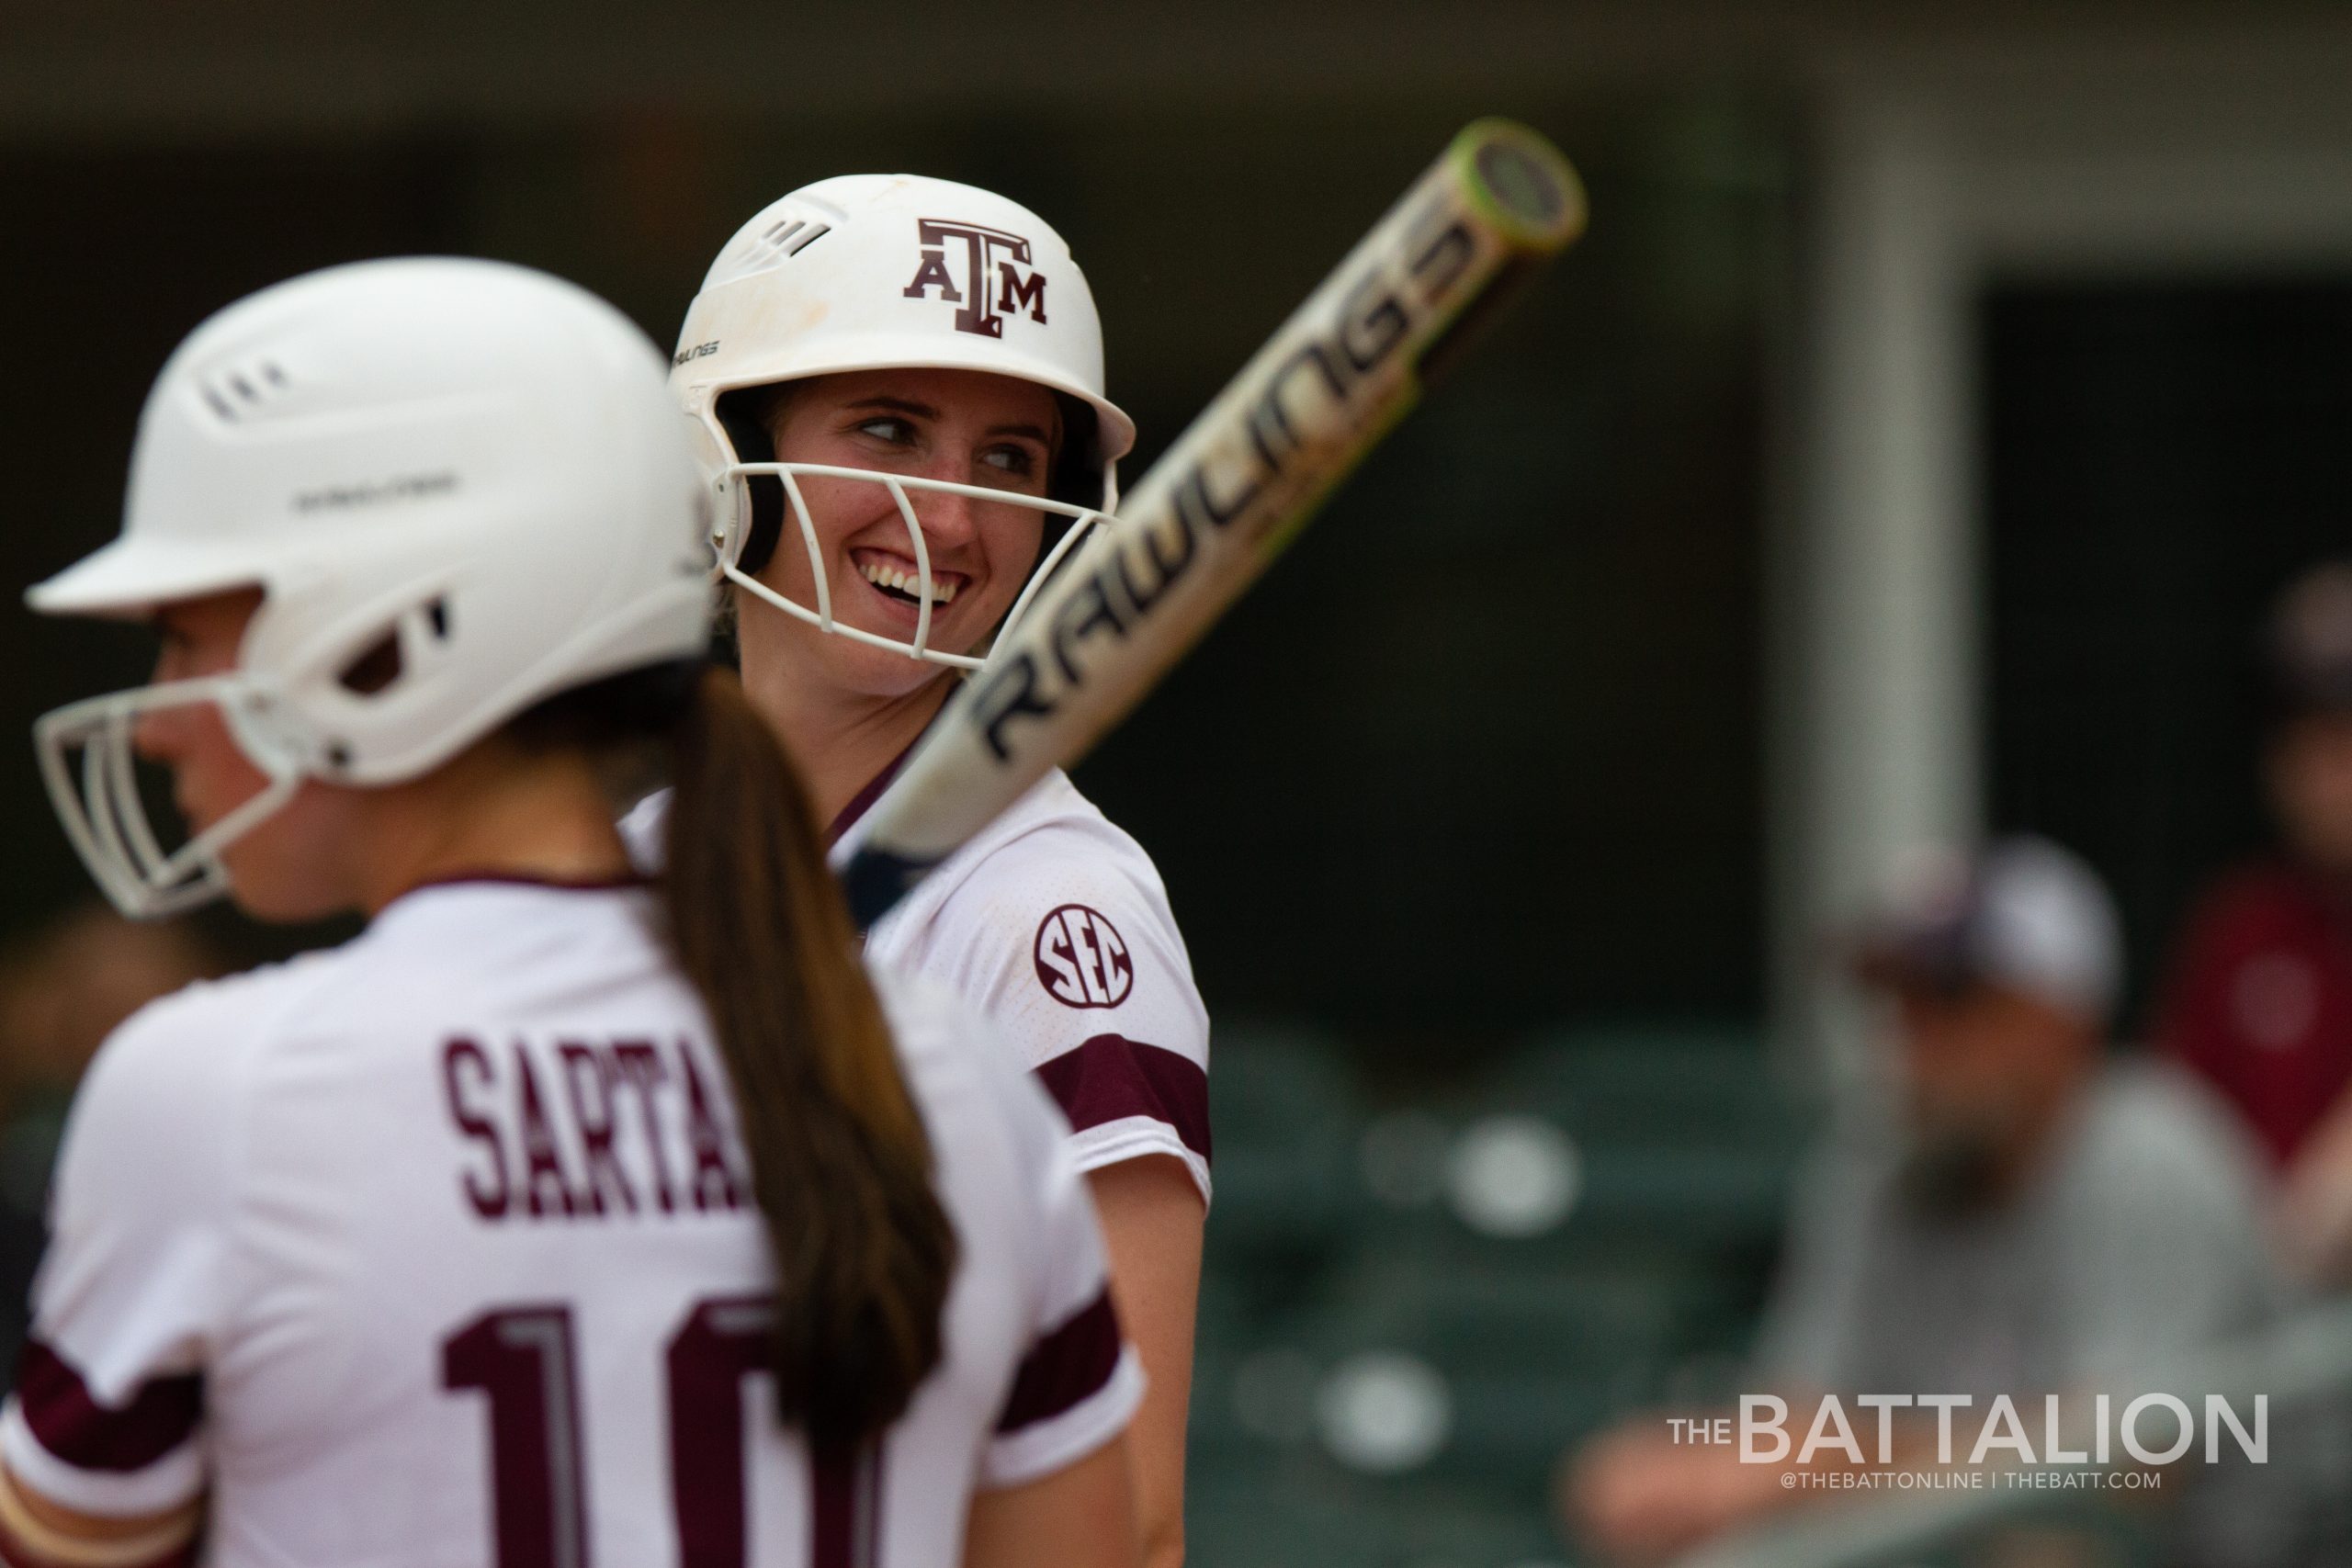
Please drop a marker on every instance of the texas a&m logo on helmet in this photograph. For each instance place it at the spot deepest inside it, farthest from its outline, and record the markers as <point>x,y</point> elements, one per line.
<point>996,277</point>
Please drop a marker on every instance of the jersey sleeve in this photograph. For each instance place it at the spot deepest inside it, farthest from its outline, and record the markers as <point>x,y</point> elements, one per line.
<point>1073,953</point>
<point>108,1413</point>
<point>1077,1383</point>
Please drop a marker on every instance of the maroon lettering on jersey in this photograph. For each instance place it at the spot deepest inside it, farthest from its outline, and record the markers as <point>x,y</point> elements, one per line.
<point>1082,960</point>
<point>587,1074</point>
<point>488,1198</point>
<point>640,1069</point>
<point>546,1164</point>
<point>719,1346</point>
<point>578,1129</point>
<point>844,1506</point>
<point>715,1186</point>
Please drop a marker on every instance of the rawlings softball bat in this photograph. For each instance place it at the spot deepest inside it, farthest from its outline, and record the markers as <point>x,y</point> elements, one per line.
<point>1222,503</point>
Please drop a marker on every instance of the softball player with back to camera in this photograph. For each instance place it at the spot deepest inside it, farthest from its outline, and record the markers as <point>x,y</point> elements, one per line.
<point>557,1220</point>
<point>898,385</point>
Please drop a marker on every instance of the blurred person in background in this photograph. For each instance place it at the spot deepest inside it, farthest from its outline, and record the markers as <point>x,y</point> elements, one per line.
<point>2034,1218</point>
<point>2258,999</point>
<point>63,989</point>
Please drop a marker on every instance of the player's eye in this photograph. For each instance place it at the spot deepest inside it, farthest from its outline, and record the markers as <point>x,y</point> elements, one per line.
<point>888,428</point>
<point>1019,461</point>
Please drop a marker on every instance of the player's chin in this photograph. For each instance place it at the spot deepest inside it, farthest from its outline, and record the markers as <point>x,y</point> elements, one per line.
<point>885,671</point>
<point>293,868</point>
<point>267,894</point>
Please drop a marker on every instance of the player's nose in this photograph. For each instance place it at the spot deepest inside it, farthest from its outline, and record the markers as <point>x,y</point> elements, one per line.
<point>949,521</point>
<point>159,733</point>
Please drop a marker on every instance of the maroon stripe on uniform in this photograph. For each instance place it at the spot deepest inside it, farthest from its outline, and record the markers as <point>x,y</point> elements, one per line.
<point>90,1436</point>
<point>1066,1368</point>
<point>15,1554</point>
<point>1110,1077</point>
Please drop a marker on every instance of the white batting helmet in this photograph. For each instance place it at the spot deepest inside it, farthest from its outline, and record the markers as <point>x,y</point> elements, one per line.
<point>881,272</point>
<point>465,477</point>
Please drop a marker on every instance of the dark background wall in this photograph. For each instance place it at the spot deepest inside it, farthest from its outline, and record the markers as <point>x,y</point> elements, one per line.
<point>2161,459</point>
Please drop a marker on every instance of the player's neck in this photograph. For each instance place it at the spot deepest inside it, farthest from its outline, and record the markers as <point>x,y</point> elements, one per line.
<point>838,740</point>
<point>494,812</point>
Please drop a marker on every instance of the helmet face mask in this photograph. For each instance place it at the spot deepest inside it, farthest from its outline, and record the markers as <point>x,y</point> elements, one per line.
<point>104,812</point>
<point>459,489</point>
<point>901,488</point>
<point>877,273</point>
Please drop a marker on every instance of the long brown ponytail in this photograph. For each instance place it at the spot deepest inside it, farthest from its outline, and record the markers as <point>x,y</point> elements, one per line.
<point>840,1162</point>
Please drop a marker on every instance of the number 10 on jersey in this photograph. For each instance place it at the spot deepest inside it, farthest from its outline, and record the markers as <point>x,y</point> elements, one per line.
<point>524,1360</point>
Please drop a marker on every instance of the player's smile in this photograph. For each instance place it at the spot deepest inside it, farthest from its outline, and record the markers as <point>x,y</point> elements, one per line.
<point>897,579</point>
<point>900,579</point>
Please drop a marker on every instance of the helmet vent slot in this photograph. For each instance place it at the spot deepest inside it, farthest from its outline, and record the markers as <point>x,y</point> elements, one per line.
<point>376,669</point>
<point>416,642</point>
<point>233,392</point>
<point>785,238</point>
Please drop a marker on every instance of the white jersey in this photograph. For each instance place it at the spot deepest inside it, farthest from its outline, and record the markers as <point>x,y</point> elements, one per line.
<point>1055,923</point>
<point>439,1249</point>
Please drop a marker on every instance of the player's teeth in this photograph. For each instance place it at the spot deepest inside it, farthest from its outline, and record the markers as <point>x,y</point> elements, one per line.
<point>943,591</point>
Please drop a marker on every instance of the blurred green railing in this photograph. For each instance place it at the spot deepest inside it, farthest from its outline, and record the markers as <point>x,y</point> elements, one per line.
<point>1411,1311</point>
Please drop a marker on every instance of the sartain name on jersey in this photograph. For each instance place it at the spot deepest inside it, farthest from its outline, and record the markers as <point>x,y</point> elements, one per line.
<point>1082,962</point>
<point>997,280</point>
<point>573,1129</point>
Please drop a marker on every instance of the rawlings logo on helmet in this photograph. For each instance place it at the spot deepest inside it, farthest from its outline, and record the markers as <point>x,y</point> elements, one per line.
<point>985,251</point>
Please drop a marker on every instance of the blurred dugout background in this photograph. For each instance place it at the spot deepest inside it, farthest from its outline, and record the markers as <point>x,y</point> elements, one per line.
<point>1908,450</point>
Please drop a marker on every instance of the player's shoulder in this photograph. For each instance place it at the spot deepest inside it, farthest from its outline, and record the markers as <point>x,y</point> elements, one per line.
<point>209,1034</point>
<point>204,1025</point>
<point>165,1083</point>
<point>1055,841</point>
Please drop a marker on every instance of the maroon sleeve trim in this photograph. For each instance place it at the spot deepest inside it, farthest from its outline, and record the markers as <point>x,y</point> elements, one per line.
<point>15,1554</point>
<point>74,1427</point>
<point>1110,1077</point>
<point>1066,1368</point>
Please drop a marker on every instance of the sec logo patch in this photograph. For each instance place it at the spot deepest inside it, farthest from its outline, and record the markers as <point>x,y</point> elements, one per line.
<point>1082,961</point>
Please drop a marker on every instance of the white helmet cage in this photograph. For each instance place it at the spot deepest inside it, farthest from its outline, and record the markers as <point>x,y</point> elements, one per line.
<point>868,272</point>
<point>460,488</point>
